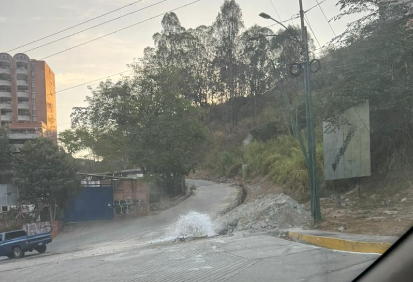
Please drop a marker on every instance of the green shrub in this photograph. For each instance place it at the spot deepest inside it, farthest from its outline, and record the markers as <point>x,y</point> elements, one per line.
<point>283,161</point>
<point>254,156</point>
<point>227,163</point>
<point>265,132</point>
<point>234,169</point>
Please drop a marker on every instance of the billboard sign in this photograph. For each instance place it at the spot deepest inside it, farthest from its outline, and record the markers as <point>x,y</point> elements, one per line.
<point>347,144</point>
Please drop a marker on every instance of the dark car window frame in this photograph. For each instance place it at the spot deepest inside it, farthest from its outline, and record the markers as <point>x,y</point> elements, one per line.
<point>14,235</point>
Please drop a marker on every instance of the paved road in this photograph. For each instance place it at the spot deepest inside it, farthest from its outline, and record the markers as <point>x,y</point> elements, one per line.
<point>209,198</point>
<point>121,251</point>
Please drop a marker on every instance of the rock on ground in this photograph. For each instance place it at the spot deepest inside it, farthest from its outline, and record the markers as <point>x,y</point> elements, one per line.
<point>272,212</point>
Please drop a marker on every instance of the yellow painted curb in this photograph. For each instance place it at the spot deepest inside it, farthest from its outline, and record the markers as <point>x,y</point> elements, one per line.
<point>342,244</point>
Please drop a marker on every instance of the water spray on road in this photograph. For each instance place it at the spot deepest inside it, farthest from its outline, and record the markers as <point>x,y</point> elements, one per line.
<point>192,225</point>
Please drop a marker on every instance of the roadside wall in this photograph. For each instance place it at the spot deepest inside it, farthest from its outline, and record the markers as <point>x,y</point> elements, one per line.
<point>42,227</point>
<point>135,190</point>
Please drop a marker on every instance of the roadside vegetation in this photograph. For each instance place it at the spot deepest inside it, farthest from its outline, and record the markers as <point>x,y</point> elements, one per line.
<point>209,98</point>
<point>46,177</point>
<point>371,60</point>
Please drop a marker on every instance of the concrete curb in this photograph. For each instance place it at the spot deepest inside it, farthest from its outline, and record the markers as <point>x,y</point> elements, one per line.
<point>236,201</point>
<point>341,244</point>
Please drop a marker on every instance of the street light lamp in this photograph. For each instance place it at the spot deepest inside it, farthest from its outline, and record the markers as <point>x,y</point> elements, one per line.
<point>311,156</point>
<point>268,17</point>
<point>265,16</point>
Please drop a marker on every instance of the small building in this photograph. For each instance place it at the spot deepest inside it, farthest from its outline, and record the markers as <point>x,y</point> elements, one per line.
<point>105,197</point>
<point>130,173</point>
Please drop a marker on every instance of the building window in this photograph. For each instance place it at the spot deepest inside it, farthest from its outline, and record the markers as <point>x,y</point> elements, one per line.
<point>21,57</point>
<point>32,67</point>
<point>33,90</point>
<point>33,84</point>
<point>34,118</point>
<point>34,113</point>
<point>33,73</point>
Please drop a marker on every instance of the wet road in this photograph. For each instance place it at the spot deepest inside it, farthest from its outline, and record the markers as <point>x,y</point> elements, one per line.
<point>130,250</point>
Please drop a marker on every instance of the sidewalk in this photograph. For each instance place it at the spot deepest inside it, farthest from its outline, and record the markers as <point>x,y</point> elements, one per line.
<point>343,241</point>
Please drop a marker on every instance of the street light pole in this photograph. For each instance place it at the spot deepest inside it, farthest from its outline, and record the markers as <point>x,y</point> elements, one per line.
<point>312,155</point>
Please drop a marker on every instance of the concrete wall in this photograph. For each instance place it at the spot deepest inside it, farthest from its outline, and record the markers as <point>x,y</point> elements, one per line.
<point>41,227</point>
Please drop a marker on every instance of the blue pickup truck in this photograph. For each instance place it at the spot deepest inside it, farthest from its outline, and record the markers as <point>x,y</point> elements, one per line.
<point>14,244</point>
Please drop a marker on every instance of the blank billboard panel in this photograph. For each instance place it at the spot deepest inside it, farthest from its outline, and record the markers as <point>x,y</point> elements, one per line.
<point>347,144</point>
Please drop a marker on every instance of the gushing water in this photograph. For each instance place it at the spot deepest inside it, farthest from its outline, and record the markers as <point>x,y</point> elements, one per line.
<point>192,224</point>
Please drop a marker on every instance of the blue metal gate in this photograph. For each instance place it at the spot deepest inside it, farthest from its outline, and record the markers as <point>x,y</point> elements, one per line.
<point>92,203</point>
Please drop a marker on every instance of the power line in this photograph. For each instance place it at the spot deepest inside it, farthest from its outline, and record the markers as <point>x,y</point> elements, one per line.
<point>322,11</point>
<point>312,31</point>
<point>99,79</point>
<point>312,7</point>
<point>116,31</point>
<point>293,17</point>
<point>296,16</point>
<point>95,80</point>
<point>82,23</point>
<point>275,10</point>
<point>92,27</point>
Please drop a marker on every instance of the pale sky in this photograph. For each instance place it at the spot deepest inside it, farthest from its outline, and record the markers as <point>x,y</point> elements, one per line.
<point>23,21</point>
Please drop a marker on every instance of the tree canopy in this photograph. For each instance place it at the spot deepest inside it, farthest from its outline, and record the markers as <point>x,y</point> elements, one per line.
<point>45,175</point>
<point>5,150</point>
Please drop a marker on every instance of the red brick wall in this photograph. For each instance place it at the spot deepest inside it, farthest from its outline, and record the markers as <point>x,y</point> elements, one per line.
<point>132,189</point>
<point>57,227</point>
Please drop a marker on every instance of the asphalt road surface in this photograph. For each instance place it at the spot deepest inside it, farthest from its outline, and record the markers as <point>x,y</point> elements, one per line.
<point>134,250</point>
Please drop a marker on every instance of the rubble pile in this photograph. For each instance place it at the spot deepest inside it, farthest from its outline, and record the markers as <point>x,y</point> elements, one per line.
<point>272,212</point>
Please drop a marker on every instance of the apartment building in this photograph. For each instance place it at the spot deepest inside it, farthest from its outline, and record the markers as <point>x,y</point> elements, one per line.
<point>27,98</point>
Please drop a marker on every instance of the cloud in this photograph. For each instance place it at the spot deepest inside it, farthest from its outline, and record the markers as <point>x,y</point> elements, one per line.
<point>2,19</point>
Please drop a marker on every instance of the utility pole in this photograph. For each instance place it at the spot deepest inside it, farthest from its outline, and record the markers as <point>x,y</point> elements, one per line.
<point>312,156</point>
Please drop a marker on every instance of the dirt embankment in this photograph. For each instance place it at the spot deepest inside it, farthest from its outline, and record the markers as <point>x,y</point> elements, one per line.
<point>375,211</point>
<point>371,213</point>
<point>378,209</point>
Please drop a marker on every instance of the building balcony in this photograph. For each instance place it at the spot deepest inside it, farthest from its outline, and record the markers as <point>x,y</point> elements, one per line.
<point>5,95</point>
<point>23,94</point>
<point>23,118</point>
<point>5,106</point>
<point>6,117</point>
<point>23,135</point>
<point>19,60</point>
<point>22,71</point>
<point>5,70</point>
<point>22,83</point>
<point>5,83</point>
<point>6,60</point>
<point>23,105</point>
